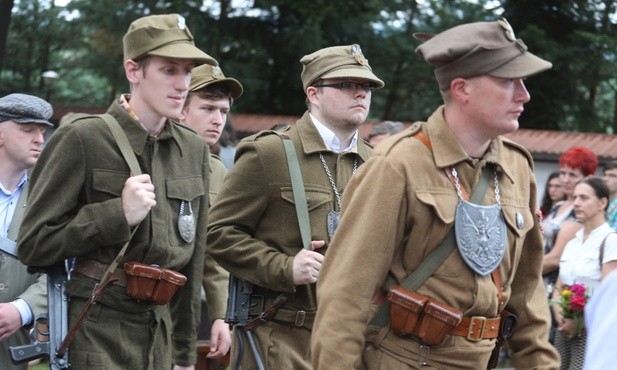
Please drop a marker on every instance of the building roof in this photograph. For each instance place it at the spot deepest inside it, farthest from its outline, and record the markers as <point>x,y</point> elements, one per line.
<point>545,145</point>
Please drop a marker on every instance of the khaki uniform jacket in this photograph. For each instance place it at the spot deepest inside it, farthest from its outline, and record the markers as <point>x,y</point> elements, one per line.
<point>216,278</point>
<point>253,230</point>
<point>75,210</point>
<point>396,211</point>
<point>17,282</point>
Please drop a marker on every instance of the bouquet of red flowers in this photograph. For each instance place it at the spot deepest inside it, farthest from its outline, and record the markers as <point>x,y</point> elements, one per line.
<point>572,301</point>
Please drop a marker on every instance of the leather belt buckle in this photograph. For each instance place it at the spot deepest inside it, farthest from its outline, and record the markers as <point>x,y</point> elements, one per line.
<point>300,316</point>
<point>473,334</point>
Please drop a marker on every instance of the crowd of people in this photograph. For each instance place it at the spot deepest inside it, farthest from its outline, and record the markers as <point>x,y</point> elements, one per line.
<point>321,249</point>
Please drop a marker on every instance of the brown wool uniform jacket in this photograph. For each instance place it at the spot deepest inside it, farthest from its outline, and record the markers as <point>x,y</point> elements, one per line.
<point>253,230</point>
<point>396,211</point>
<point>75,210</point>
<point>215,281</point>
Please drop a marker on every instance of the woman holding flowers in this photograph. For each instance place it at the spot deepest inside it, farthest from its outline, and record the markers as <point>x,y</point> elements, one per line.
<point>585,260</point>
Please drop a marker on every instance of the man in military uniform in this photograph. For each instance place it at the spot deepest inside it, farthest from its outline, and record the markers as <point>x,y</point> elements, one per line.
<point>85,203</point>
<point>24,120</point>
<point>254,232</point>
<point>205,111</point>
<point>412,192</point>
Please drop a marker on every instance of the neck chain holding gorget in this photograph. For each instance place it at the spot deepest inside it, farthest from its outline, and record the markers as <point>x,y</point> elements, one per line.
<point>457,184</point>
<point>480,230</point>
<point>334,216</point>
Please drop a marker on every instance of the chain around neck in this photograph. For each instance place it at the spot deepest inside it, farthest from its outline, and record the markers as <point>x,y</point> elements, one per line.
<point>337,195</point>
<point>457,184</point>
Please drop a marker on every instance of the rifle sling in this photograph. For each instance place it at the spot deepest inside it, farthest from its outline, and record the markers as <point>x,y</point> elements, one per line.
<point>131,160</point>
<point>439,255</point>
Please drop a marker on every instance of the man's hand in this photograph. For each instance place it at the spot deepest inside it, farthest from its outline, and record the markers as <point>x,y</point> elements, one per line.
<point>137,198</point>
<point>307,264</point>
<point>10,320</point>
<point>220,339</point>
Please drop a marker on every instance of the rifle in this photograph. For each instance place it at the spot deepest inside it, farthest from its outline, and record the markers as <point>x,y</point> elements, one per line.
<point>49,332</point>
<point>242,307</point>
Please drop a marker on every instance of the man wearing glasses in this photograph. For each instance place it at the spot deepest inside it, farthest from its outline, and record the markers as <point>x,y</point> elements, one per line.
<point>253,230</point>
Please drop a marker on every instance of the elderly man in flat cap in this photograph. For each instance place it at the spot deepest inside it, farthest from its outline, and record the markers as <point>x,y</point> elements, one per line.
<point>384,130</point>
<point>87,202</point>
<point>23,122</point>
<point>254,231</point>
<point>440,224</point>
<point>205,111</point>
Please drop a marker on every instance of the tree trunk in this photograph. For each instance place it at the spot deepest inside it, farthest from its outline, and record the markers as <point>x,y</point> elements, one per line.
<point>6,6</point>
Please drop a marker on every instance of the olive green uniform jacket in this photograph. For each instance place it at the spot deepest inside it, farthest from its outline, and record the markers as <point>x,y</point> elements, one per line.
<point>216,278</point>
<point>17,282</point>
<point>75,210</point>
<point>253,230</point>
<point>396,210</point>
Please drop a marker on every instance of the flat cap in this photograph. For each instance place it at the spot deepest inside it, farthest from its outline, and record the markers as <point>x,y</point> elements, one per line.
<point>387,127</point>
<point>476,49</point>
<point>23,108</point>
<point>337,62</point>
<point>162,35</point>
<point>206,75</point>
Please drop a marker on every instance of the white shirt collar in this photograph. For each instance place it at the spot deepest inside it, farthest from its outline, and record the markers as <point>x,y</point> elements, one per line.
<point>332,142</point>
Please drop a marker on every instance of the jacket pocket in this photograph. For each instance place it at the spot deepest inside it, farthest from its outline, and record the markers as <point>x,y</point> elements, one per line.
<point>319,201</point>
<point>179,191</point>
<point>442,206</point>
<point>107,184</point>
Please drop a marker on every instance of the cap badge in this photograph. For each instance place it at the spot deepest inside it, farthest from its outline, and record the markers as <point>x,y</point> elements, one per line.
<point>217,72</point>
<point>357,54</point>
<point>506,26</point>
<point>181,22</point>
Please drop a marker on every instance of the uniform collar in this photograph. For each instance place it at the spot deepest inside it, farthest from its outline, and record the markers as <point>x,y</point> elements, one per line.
<point>448,151</point>
<point>312,141</point>
<point>136,134</point>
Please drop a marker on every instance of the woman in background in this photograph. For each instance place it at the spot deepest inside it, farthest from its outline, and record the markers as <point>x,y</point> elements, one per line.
<point>586,259</point>
<point>553,194</point>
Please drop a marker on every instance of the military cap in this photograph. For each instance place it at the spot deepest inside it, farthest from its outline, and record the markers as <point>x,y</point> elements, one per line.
<point>337,62</point>
<point>206,75</point>
<point>23,108</point>
<point>476,49</point>
<point>162,35</point>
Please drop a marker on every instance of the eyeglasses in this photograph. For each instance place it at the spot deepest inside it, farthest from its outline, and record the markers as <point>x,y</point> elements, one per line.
<point>350,86</point>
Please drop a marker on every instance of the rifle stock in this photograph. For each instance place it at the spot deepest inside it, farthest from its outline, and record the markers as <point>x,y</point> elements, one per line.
<point>47,343</point>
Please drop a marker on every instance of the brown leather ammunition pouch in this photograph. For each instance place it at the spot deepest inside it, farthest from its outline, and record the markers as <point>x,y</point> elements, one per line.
<point>415,314</point>
<point>437,321</point>
<point>406,308</point>
<point>151,283</point>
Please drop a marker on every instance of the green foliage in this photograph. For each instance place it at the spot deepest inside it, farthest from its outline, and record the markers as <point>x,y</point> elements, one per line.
<point>260,43</point>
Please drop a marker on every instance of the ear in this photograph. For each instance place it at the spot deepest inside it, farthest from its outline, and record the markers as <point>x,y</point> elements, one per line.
<point>182,115</point>
<point>312,95</point>
<point>459,90</point>
<point>131,70</point>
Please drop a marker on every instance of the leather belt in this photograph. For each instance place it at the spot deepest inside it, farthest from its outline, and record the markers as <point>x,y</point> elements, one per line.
<point>476,328</point>
<point>298,318</point>
<point>96,270</point>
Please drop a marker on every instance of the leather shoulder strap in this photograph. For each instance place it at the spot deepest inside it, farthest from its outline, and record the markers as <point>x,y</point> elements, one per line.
<point>297,186</point>
<point>123,143</point>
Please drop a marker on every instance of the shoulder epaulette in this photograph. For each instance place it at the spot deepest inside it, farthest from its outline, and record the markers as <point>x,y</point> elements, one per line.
<point>520,148</point>
<point>407,133</point>
<point>264,133</point>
